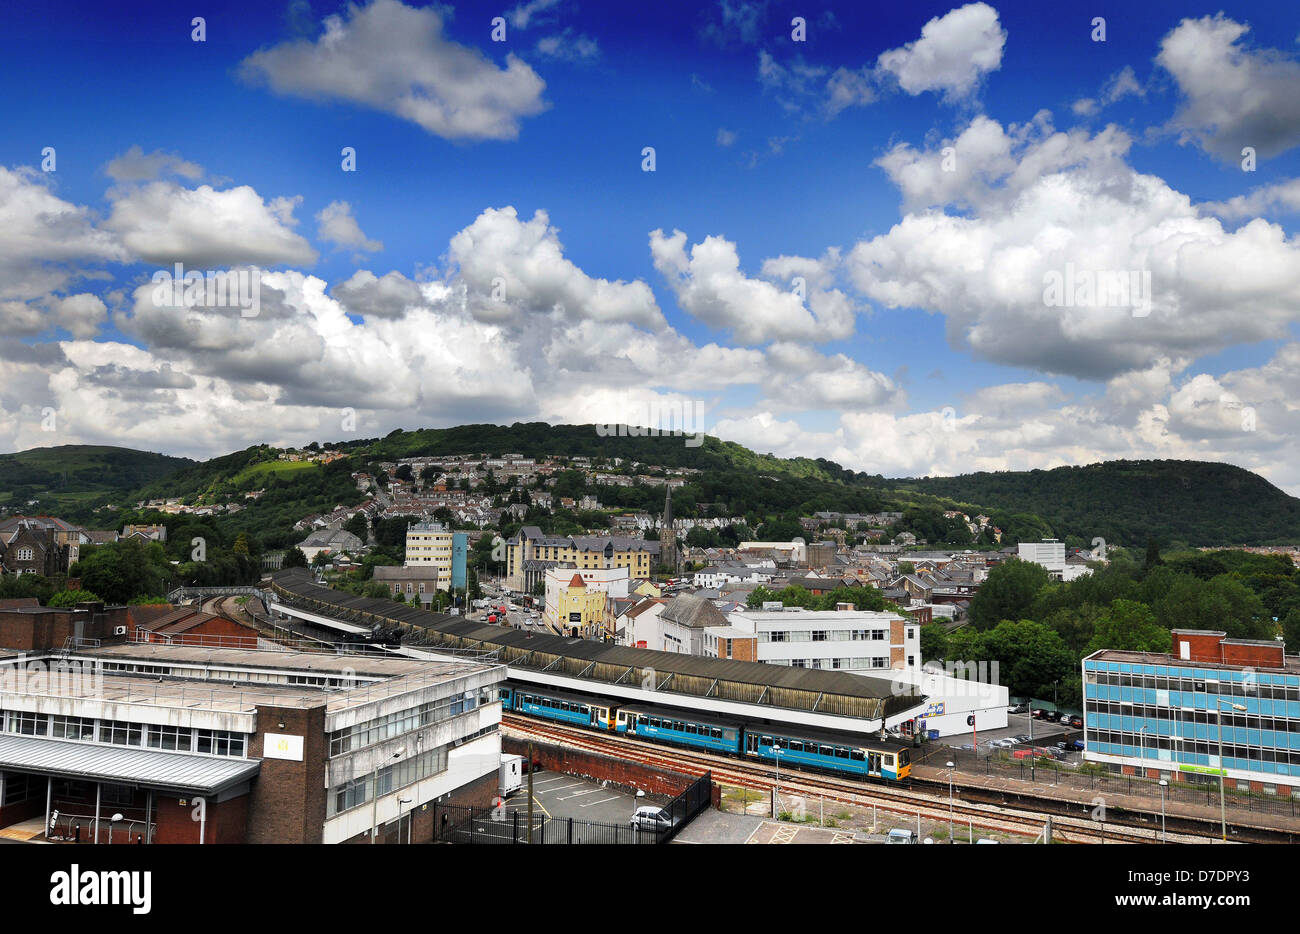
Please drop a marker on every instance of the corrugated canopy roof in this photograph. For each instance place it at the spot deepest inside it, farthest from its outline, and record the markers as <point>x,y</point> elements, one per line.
<point>123,765</point>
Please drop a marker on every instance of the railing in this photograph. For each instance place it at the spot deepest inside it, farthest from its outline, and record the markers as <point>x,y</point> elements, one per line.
<point>80,828</point>
<point>1049,771</point>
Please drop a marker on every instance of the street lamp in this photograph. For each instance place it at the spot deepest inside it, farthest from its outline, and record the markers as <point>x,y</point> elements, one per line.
<point>111,821</point>
<point>374,799</point>
<point>776,754</point>
<point>400,802</point>
<point>951,839</point>
<point>1223,807</point>
<point>1163,785</point>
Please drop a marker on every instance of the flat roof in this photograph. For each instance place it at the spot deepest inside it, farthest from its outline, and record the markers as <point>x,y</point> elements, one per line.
<point>125,765</point>
<point>1291,663</point>
<point>380,676</point>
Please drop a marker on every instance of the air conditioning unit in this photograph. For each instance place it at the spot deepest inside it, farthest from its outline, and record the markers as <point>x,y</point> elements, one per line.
<point>119,630</point>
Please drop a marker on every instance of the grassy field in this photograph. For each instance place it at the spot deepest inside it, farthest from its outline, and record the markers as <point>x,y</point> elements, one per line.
<point>270,468</point>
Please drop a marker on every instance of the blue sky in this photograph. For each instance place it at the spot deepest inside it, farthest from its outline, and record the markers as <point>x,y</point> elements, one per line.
<point>922,343</point>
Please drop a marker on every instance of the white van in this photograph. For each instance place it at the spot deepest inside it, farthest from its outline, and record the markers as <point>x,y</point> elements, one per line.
<point>898,835</point>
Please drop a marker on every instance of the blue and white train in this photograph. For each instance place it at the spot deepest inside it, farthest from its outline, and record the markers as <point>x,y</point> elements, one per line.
<point>793,747</point>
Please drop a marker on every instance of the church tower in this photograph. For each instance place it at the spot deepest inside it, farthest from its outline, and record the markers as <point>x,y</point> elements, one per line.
<point>668,553</point>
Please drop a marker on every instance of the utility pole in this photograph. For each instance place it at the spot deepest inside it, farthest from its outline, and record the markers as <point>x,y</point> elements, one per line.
<point>530,793</point>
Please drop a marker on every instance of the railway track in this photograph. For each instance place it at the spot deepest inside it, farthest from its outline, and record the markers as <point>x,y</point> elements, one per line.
<point>761,777</point>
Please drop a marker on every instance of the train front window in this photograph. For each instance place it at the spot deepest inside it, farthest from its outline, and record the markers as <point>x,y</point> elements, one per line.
<point>904,758</point>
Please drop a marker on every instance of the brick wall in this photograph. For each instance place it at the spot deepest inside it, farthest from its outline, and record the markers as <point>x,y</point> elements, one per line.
<point>629,776</point>
<point>287,803</point>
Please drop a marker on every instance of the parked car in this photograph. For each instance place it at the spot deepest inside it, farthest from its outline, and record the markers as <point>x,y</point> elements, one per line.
<point>1051,716</point>
<point>1019,708</point>
<point>1039,713</point>
<point>1076,721</point>
<point>1003,743</point>
<point>1078,744</point>
<point>898,835</point>
<point>1021,737</point>
<point>651,818</point>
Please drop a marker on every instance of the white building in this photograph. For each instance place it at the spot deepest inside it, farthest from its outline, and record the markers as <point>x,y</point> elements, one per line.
<point>846,639</point>
<point>1050,553</point>
<point>957,690</point>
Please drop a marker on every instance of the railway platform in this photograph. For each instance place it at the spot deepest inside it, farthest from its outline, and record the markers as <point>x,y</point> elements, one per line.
<point>1113,796</point>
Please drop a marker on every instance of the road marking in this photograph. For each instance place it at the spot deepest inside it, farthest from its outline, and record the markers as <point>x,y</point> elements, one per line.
<point>580,794</point>
<point>601,801</point>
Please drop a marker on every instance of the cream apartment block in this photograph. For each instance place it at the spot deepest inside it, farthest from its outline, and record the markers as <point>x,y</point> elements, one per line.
<point>428,547</point>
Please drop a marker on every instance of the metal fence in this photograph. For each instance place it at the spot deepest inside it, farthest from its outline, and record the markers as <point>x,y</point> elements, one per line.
<point>1045,771</point>
<point>459,824</point>
<point>479,825</point>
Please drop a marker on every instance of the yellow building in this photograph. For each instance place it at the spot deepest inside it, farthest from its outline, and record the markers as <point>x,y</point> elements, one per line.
<point>530,553</point>
<point>579,609</point>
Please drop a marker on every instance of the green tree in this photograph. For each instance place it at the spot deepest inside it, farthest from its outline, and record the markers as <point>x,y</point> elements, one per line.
<point>1221,603</point>
<point>1008,593</point>
<point>1031,657</point>
<point>1130,626</point>
<point>241,544</point>
<point>70,598</point>
<point>1291,628</point>
<point>294,558</point>
<point>934,642</point>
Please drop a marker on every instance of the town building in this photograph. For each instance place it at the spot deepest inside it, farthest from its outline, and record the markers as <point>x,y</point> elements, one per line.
<point>410,582</point>
<point>145,743</point>
<point>576,599</point>
<point>529,553</point>
<point>429,547</point>
<point>846,639</point>
<point>1050,553</point>
<point>330,542</point>
<point>1160,715</point>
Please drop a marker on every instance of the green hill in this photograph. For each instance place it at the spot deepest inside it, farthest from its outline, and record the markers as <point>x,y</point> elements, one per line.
<point>72,476</point>
<point>1128,502</point>
<point>1124,502</point>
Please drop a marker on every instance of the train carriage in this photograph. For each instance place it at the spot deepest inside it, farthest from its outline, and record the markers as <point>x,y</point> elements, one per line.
<point>680,728</point>
<point>562,708</point>
<point>890,761</point>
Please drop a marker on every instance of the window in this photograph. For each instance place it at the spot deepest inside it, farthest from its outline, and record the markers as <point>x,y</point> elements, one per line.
<point>82,728</point>
<point>119,733</point>
<point>819,635</point>
<point>25,554</point>
<point>28,724</point>
<point>170,737</point>
<point>220,742</point>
